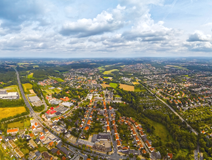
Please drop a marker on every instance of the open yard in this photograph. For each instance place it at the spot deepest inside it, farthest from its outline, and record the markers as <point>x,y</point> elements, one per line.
<point>30,75</point>
<point>27,87</point>
<point>11,111</point>
<point>126,87</point>
<point>114,85</point>
<point>110,71</point>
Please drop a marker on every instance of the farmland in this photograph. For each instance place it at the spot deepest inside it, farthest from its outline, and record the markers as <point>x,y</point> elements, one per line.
<point>11,111</point>
<point>126,87</point>
<point>105,85</point>
<point>110,71</point>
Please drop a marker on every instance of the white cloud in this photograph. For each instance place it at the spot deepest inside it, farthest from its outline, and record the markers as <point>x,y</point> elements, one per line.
<point>104,22</point>
<point>199,36</point>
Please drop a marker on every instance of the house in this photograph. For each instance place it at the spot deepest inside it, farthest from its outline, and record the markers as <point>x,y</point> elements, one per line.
<point>4,146</point>
<point>46,156</point>
<point>19,153</point>
<point>32,155</point>
<point>32,144</point>
<point>170,155</point>
<point>13,131</point>
<point>12,144</point>
<point>118,143</point>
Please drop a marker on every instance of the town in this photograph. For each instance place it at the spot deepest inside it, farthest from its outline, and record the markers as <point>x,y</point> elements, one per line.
<point>106,109</point>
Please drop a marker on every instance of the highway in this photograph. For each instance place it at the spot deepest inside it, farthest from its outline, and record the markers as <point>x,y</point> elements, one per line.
<point>172,111</point>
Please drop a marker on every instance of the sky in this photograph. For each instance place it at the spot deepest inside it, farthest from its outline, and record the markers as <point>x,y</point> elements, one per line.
<point>111,28</point>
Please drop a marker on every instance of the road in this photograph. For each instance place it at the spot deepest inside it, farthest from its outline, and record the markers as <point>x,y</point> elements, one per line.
<point>38,119</point>
<point>32,113</point>
<point>172,111</point>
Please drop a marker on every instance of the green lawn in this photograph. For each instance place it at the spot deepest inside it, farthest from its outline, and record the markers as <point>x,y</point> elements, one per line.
<point>114,85</point>
<point>42,149</point>
<point>160,130</point>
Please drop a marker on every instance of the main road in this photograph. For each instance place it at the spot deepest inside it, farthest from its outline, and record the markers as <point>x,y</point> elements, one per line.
<point>32,113</point>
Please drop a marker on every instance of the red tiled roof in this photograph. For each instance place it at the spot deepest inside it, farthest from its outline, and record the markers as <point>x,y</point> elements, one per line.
<point>12,130</point>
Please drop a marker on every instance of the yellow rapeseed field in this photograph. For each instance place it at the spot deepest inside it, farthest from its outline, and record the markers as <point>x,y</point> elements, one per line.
<point>11,111</point>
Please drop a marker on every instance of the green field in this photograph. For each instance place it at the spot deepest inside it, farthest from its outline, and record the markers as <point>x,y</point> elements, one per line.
<point>35,66</point>
<point>49,91</point>
<point>30,75</point>
<point>114,85</point>
<point>101,68</point>
<point>19,124</point>
<point>178,67</point>
<point>13,88</point>
<point>57,79</point>
<point>160,130</point>
<point>27,87</point>
<point>110,71</point>
<point>20,64</point>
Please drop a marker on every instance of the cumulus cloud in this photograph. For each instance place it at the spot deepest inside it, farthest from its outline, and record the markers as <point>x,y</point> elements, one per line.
<point>104,22</point>
<point>128,28</point>
<point>199,46</point>
<point>199,36</point>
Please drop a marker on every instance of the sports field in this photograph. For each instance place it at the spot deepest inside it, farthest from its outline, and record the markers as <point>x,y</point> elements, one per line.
<point>11,111</point>
<point>126,87</point>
